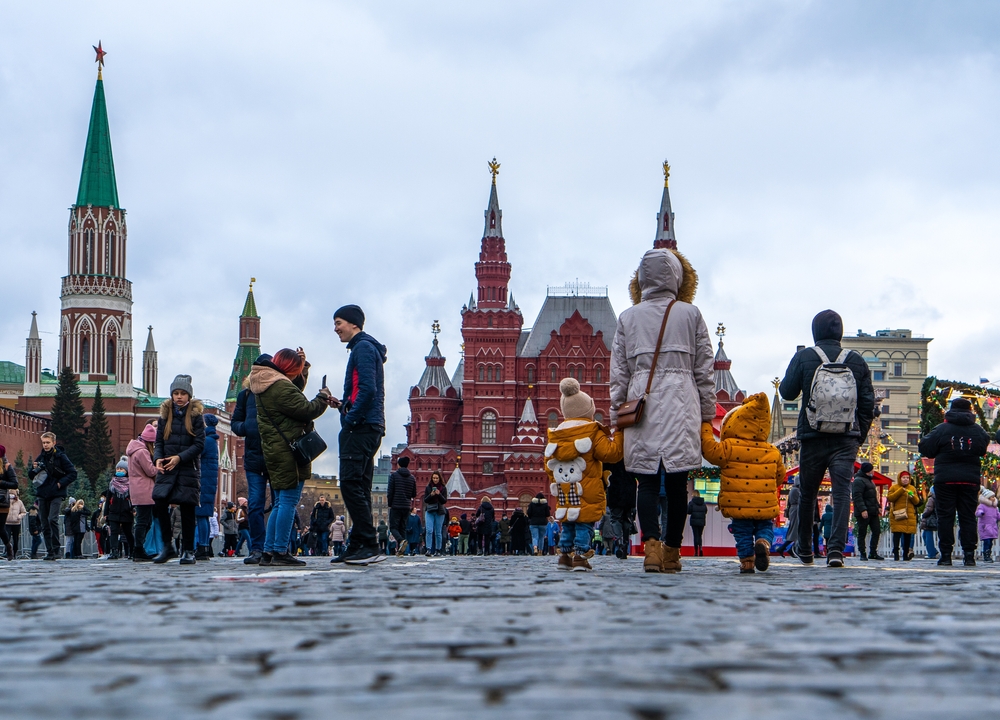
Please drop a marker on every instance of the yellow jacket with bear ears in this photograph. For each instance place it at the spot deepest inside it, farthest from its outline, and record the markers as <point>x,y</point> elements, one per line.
<point>581,437</point>
<point>752,470</point>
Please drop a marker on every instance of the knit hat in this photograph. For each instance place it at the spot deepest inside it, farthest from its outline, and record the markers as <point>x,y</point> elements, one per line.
<point>352,314</point>
<point>148,433</point>
<point>961,404</point>
<point>182,382</point>
<point>241,501</point>
<point>866,467</point>
<point>3,451</point>
<point>575,403</point>
<point>122,465</point>
<point>403,462</point>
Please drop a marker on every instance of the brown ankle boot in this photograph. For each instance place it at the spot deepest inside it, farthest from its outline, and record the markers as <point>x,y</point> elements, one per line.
<point>671,560</point>
<point>653,550</point>
<point>746,566</point>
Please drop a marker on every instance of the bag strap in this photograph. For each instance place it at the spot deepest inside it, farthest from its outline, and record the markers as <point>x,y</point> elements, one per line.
<point>271,419</point>
<point>822,355</point>
<point>659,341</point>
<point>844,354</point>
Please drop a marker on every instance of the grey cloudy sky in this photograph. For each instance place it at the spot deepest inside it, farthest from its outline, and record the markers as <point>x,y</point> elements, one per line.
<point>837,154</point>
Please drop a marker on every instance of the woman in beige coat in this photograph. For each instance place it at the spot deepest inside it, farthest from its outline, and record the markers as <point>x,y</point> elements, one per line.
<point>666,444</point>
<point>14,515</point>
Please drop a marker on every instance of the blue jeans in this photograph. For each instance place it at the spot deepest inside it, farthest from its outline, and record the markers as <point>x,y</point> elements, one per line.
<point>279,523</point>
<point>817,455</point>
<point>929,544</point>
<point>433,524</point>
<point>537,536</point>
<point>748,532</point>
<point>575,535</point>
<point>256,496</point>
<point>324,543</point>
<point>244,539</point>
<point>201,532</point>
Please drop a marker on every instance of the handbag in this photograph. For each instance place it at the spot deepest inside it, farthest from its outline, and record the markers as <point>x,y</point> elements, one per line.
<point>154,541</point>
<point>900,515</point>
<point>630,413</point>
<point>306,449</point>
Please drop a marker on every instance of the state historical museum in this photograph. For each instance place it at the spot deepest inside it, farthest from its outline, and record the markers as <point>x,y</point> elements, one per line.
<point>484,427</point>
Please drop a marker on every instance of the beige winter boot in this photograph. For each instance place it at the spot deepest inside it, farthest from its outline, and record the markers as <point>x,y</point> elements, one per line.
<point>653,550</point>
<point>746,566</point>
<point>671,560</point>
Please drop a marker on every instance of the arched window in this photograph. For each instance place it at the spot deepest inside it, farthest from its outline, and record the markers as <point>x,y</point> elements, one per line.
<point>482,373</point>
<point>85,355</point>
<point>432,431</point>
<point>110,365</point>
<point>531,373</point>
<point>88,252</point>
<point>489,373</point>
<point>553,373</point>
<point>498,373</point>
<point>489,321</point>
<point>598,374</point>
<point>553,419</point>
<point>488,428</point>
<point>487,468</point>
<point>109,258</point>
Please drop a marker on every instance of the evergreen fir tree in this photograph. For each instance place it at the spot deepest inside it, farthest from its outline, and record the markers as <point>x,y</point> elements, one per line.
<point>67,417</point>
<point>100,454</point>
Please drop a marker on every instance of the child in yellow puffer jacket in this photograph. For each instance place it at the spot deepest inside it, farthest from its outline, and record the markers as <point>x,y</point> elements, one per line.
<point>575,457</point>
<point>752,473</point>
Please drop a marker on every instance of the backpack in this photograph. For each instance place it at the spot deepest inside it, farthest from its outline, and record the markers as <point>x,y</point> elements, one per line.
<point>833,395</point>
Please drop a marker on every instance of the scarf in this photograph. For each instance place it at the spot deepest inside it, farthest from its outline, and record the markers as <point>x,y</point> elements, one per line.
<point>119,485</point>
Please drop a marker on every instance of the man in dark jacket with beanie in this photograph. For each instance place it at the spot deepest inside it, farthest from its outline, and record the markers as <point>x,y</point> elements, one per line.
<point>821,450</point>
<point>399,497</point>
<point>244,425</point>
<point>57,473</point>
<point>362,419</point>
<point>866,511</point>
<point>957,446</point>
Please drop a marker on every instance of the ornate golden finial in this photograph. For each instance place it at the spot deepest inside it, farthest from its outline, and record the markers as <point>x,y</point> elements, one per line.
<point>494,168</point>
<point>777,383</point>
<point>666,174</point>
<point>720,330</point>
<point>252,281</point>
<point>435,329</point>
<point>463,349</point>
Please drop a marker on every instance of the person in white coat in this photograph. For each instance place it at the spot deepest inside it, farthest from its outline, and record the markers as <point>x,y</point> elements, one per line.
<point>666,444</point>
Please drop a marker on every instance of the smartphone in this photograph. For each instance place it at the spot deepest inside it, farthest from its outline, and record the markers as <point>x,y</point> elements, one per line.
<point>324,383</point>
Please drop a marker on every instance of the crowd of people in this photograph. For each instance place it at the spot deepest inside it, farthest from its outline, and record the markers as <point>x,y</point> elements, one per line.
<point>607,483</point>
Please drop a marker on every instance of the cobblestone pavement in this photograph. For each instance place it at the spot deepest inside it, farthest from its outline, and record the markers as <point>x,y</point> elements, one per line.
<point>498,637</point>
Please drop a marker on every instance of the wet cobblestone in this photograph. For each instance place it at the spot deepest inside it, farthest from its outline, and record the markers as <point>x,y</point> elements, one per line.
<point>499,637</point>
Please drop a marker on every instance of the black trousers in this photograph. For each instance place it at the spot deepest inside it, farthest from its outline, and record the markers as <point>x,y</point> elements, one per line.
<point>48,513</point>
<point>949,498</point>
<point>907,539</point>
<point>14,533</point>
<point>861,528</point>
<point>697,531</point>
<point>648,506</point>
<point>161,511</point>
<point>398,517</point>
<point>358,446</point>
<point>143,522</point>
<point>120,536</point>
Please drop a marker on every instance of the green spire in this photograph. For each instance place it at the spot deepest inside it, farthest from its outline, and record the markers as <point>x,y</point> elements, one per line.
<point>250,307</point>
<point>97,180</point>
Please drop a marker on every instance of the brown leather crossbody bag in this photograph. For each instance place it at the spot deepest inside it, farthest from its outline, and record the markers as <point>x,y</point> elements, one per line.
<point>630,413</point>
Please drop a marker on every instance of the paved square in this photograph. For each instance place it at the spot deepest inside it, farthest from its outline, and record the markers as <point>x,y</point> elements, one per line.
<point>499,637</point>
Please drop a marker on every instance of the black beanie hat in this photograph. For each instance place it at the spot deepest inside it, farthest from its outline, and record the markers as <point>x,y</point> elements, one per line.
<point>867,467</point>
<point>403,462</point>
<point>352,314</point>
<point>961,404</point>
<point>828,325</point>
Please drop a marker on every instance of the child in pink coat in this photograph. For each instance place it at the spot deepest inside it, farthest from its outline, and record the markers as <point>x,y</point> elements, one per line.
<point>988,519</point>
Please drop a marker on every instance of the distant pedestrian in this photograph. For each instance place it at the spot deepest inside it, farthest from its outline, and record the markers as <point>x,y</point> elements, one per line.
<point>791,520</point>
<point>957,446</point>
<point>52,473</point>
<point>284,416</point>
<point>243,525</point>
<point>34,530</point>
<point>435,511</point>
<point>338,535</point>
<point>621,508</point>
<point>320,520</point>
<point>118,513</point>
<point>141,480</point>
<point>78,524</point>
<point>519,532</point>
<point>551,536</point>
<point>752,472</point>
<point>697,512</point>
<point>662,354</point>
<point>209,489</point>
<point>988,518</point>
<point>8,482</point>
<point>14,516</point>
<point>230,530</point>
<point>454,533</point>
<point>826,524</point>
<point>485,519</point>
<point>245,424</point>
<point>399,494</point>
<point>929,524</point>
<point>867,514</point>
<point>903,503</point>
<point>465,532</point>
<point>180,437</point>
<point>830,427</point>
<point>382,531</point>
<point>538,514</point>
<point>504,527</point>
<point>362,419</point>
<point>413,532</point>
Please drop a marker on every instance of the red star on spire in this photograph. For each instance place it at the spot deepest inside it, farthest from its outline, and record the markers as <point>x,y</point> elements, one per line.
<point>100,54</point>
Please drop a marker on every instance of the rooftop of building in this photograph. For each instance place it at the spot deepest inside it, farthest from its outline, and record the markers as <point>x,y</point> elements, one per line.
<point>889,334</point>
<point>13,374</point>
<point>560,303</point>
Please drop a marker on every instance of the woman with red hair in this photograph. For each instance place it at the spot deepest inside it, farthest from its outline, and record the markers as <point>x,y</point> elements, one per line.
<point>284,415</point>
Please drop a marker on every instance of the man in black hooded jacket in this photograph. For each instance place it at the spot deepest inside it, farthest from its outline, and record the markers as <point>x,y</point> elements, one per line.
<point>956,446</point>
<point>822,451</point>
<point>866,511</point>
<point>399,497</point>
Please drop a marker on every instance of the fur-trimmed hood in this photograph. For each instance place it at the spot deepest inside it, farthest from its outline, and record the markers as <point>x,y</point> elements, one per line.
<point>664,273</point>
<point>194,408</point>
<point>262,377</point>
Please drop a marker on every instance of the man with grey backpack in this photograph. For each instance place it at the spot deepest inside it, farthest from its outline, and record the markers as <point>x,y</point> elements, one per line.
<point>836,411</point>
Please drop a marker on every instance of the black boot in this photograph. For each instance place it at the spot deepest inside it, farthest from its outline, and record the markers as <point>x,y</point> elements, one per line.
<point>969,560</point>
<point>945,558</point>
<point>166,553</point>
<point>187,558</point>
<point>895,554</point>
<point>863,555</point>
